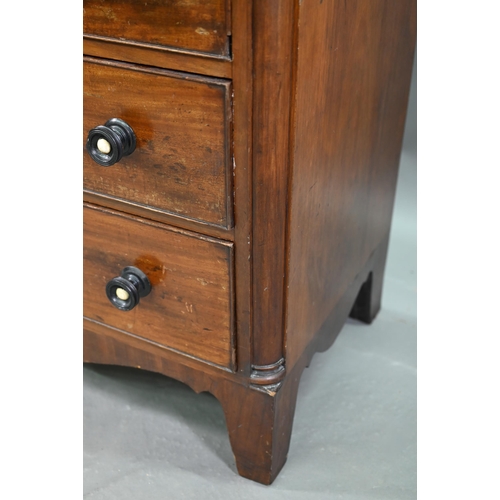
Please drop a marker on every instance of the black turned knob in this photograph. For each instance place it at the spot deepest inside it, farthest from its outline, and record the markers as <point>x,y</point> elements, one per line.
<point>109,143</point>
<point>126,290</point>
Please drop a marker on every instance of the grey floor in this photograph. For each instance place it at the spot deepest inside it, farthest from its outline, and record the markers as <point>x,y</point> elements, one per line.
<point>354,436</point>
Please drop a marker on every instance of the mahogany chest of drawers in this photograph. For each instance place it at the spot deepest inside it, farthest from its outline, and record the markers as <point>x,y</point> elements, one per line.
<point>240,164</point>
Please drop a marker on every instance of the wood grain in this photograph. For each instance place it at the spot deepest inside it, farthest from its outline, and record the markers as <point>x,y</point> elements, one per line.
<point>157,56</point>
<point>347,134</point>
<point>190,308</point>
<point>272,69</point>
<point>320,92</point>
<point>197,25</point>
<point>242,180</point>
<point>158,215</point>
<point>182,164</point>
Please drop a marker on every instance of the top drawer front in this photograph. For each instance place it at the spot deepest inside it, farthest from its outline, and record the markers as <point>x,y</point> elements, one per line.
<point>194,25</point>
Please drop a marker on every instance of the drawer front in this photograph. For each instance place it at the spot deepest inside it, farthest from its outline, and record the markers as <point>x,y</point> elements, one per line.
<point>194,25</point>
<point>181,164</point>
<point>190,306</point>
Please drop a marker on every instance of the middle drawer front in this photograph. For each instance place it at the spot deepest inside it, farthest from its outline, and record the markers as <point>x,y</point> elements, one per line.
<point>190,306</point>
<point>182,162</point>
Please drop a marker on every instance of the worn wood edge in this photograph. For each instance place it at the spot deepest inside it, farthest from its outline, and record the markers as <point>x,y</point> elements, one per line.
<point>171,359</point>
<point>233,339</point>
<point>179,75</point>
<point>188,63</point>
<point>242,167</point>
<point>228,151</point>
<point>161,359</point>
<point>159,225</point>
<point>161,48</point>
<point>229,20</point>
<point>291,156</point>
<point>162,346</point>
<point>148,211</point>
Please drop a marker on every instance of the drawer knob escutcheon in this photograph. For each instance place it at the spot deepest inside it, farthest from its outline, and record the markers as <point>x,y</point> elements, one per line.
<point>126,290</point>
<point>107,144</point>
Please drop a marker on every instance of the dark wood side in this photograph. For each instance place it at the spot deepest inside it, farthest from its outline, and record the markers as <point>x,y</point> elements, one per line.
<point>182,162</point>
<point>191,305</point>
<point>353,70</point>
<point>197,25</point>
<point>272,72</point>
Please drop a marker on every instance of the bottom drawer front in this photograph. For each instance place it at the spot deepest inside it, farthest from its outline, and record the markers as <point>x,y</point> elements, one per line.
<point>189,308</point>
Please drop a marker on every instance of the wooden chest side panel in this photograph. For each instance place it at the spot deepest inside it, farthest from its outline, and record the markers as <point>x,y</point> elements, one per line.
<point>354,63</point>
<point>182,163</point>
<point>190,307</point>
<point>197,25</point>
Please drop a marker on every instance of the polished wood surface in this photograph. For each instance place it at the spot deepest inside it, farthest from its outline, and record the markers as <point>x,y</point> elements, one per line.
<point>197,25</point>
<point>347,134</point>
<point>272,45</point>
<point>242,178</point>
<point>289,210</point>
<point>159,215</point>
<point>190,307</point>
<point>159,57</point>
<point>182,163</point>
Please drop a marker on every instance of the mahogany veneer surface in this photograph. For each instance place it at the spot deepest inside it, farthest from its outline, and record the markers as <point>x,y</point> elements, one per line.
<point>182,123</point>
<point>197,25</point>
<point>190,306</point>
<point>347,135</point>
<point>272,154</point>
